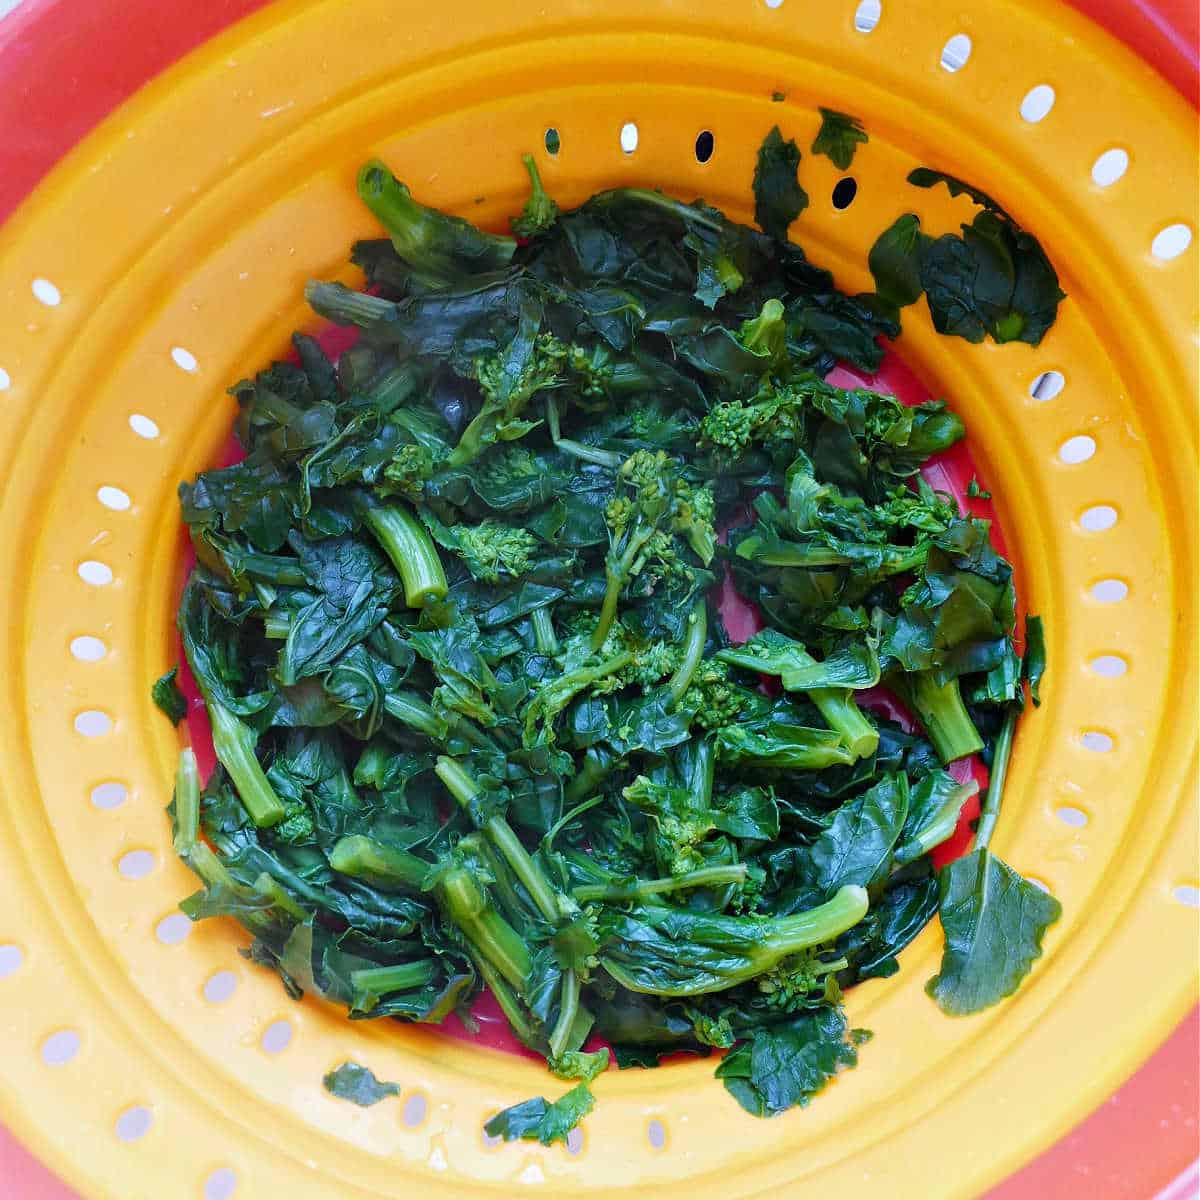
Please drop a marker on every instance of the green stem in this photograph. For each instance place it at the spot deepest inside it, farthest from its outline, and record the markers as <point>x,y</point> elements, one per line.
<point>502,881</point>
<point>693,652</point>
<point>768,943</point>
<point>510,1006</point>
<point>269,888</point>
<point>492,936</point>
<point>411,550</point>
<point>566,819</point>
<point>616,575</point>
<point>409,709</point>
<point>543,630</point>
<point>645,889</point>
<point>384,867</point>
<point>591,454</point>
<point>187,803</point>
<point>842,714</point>
<point>234,742</point>
<point>598,765</point>
<point>1001,753</point>
<point>402,977</point>
<point>344,306</point>
<point>944,716</point>
<point>276,625</point>
<point>568,1009</point>
<point>462,786</point>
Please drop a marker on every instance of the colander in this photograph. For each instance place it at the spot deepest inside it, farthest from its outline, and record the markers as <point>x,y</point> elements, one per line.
<point>165,257</point>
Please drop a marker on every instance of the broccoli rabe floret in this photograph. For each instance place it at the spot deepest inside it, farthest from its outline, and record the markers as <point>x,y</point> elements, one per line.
<point>406,474</point>
<point>712,699</point>
<point>490,548</point>
<point>791,984</point>
<point>507,390</point>
<point>654,507</point>
<point>540,211</point>
<point>297,824</point>
<point>772,416</point>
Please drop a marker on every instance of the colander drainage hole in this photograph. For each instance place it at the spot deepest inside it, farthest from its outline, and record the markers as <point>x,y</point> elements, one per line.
<point>1095,741</point>
<point>415,1108</point>
<point>134,1123</point>
<point>97,574</point>
<point>867,14</point>
<point>220,987</point>
<point>1098,518</point>
<point>109,795</point>
<point>552,141</point>
<point>1110,591</point>
<point>1187,894</point>
<point>113,498</point>
<point>11,958</point>
<point>93,723</point>
<point>173,929</point>
<point>277,1037</point>
<point>1077,449</point>
<point>656,1134</point>
<point>956,52</point>
<point>220,1185</point>
<point>1171,242</point>
<point>59,1048</point>
<point>1047,385</point>
<point>1037,104</point>
<point>5,380</point>
<point>137,864</point>
<point>1109,167</point>
<point>1075,817</point>
<point>705,143</point>
<point>629,137</point>
<point>1110,666</point>
<point>575,1141</point>
<point>185,360</point>
<point>46,293</point>
<point>844,192</point>
<point>88,649</point>
<point>143,426</point>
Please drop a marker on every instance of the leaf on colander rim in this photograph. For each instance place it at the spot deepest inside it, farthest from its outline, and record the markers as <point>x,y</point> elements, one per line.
<point>166,694</point>
<point>356,1083</point>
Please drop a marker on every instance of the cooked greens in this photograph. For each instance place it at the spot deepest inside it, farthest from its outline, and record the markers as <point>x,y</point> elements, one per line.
<point>992,281</point>
<point>478,719</point>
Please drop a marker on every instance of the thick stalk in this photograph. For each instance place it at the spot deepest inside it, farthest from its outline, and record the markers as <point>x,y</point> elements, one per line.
<point>543,630</point>
<point>460,784</point>
<point>384,867</point>
<point>402,977</point>
<point>842,715</point>
<point>411,550</point>
<point>492,937</point>
<point>187,803</point>
<point>234,742</point>
<point>568,1010</point>
<point>944,716</point>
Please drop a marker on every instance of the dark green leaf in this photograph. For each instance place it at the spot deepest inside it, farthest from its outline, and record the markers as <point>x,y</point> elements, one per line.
<point>994,922</point>
<point>358,1085</point>
<point>778,197</point>
<point>539,1120</point>
<point>166,694</point>
<point>838,137</point>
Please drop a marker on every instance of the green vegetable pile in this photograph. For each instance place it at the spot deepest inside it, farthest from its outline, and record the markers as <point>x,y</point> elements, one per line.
<point>478,719</point>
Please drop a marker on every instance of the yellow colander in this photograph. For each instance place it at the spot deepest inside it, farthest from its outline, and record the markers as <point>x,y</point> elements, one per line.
<point>165,258</point>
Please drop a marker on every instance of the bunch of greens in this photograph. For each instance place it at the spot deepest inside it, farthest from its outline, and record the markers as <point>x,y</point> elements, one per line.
<point>478,720</point>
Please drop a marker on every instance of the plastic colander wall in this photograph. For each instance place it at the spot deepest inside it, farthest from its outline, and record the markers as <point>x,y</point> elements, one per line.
<point>166,255</point>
